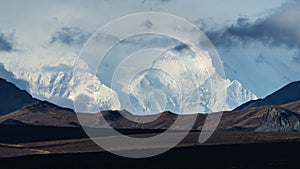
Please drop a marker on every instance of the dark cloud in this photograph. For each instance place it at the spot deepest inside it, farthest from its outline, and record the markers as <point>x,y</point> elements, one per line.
<point>148,24</point>
<point>6,42</point>
<point>280,28</point>
<point>180,47</point>
<point>71,36</point>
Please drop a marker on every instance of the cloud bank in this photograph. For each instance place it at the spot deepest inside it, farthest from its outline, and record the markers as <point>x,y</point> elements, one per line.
<point>281,28</point>
<point>71,36</point>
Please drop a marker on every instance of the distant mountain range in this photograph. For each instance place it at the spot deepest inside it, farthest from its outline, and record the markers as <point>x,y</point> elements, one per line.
<point>175,69</point>
<point>278,112</point>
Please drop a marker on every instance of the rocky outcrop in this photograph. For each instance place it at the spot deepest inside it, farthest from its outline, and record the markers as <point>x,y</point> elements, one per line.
<point>279,120</point>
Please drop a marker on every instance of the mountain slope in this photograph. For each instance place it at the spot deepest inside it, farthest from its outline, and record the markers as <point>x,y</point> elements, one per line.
<point>12,98</point>
<point>287,94</point>
<point>41,113</point>
<point>17,107</point>
<point>279,119</point>
<point>253,119</point>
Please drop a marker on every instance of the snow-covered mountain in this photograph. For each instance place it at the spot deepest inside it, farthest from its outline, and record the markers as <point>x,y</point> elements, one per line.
<point>54,81</point>
<point>174,79</point>
<point>182,81</point>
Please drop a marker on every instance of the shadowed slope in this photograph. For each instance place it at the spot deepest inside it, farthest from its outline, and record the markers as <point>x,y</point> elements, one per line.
<point>12,98</point>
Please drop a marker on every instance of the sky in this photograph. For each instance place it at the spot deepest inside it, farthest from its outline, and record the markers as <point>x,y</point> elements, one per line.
<point>258,41</point>
<point>35,20</point>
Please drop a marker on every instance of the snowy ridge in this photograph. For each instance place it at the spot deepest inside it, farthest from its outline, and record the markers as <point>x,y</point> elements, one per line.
<point>56,83</point>
<point>193,82</point>
<point>174,78</point>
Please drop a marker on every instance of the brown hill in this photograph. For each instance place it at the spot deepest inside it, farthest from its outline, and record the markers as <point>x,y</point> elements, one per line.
<point>47,114</point>
<point>41,113</point>
<point>251,118</point>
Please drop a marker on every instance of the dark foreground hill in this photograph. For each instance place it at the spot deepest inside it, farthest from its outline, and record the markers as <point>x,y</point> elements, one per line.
<point>12,98</point>
<point>287,94</point>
